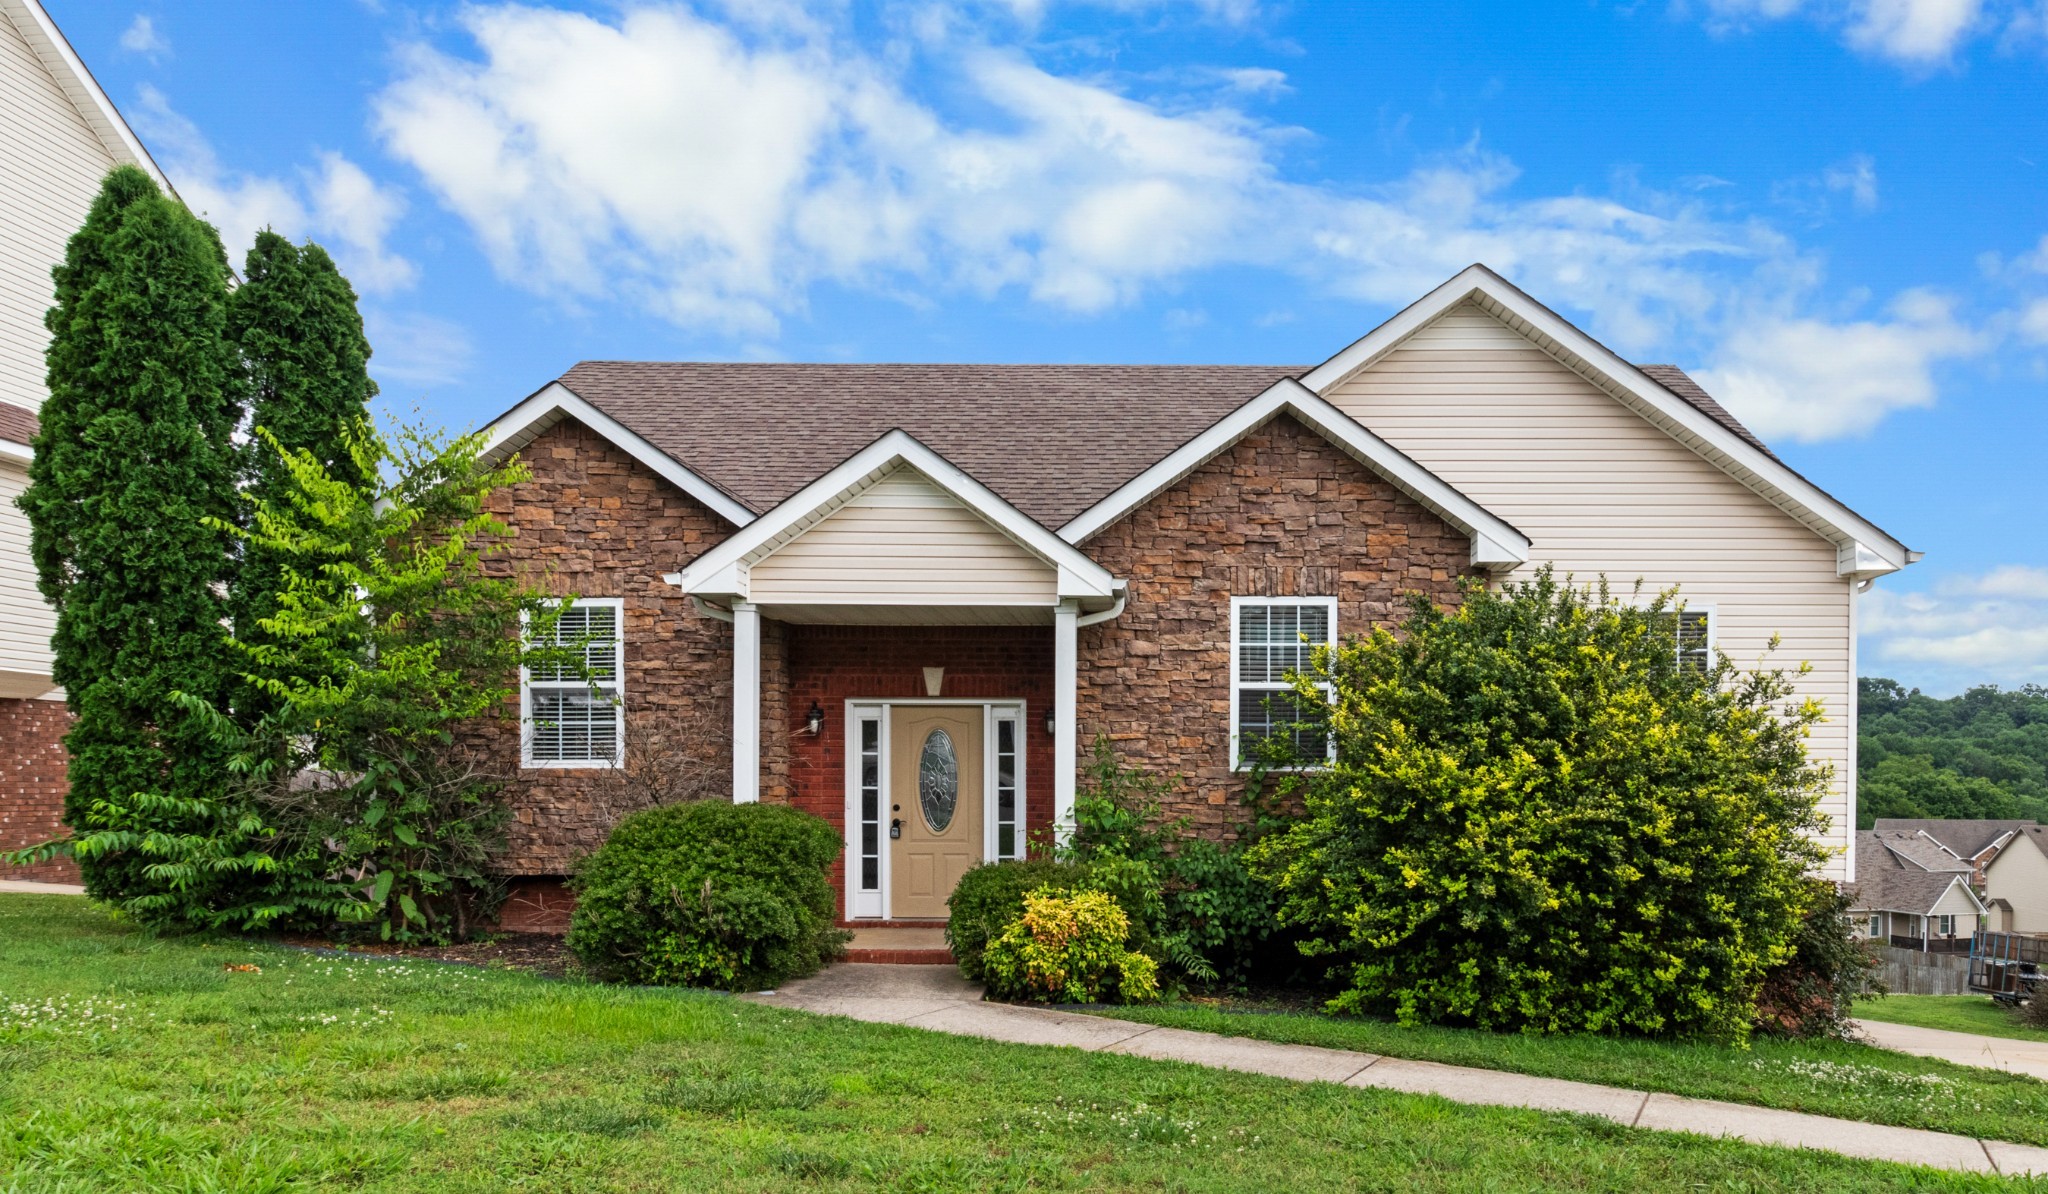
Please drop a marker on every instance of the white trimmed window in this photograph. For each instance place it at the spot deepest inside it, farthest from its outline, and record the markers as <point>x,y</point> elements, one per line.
<point>1945,925</point>
<point>1695,629</point>
<point>1271,639</point>
<point>572,720</point>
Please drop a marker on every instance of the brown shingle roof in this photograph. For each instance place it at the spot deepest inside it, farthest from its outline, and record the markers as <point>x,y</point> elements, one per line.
<point>1053,440</point>
<point>1913,892</point>
<point>18,424</point>
<point>1679,382</point>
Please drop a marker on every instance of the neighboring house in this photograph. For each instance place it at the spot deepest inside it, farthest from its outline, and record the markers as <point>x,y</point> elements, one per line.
<point>58,138</point>
<point>1977,842</point>
<point>908,597</point>
<point>2016,883</point>
<point>1912,892</point>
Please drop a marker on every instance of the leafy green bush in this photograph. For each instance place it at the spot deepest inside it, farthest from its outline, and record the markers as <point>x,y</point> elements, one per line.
<point>708,894</point>
<point>989,898</point>
<point>1539,819</point>
<point>1810,994</point>
<point>1191,901</point>
<point>1070,947</point>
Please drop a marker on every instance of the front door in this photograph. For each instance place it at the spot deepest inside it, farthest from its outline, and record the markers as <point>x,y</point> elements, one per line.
<point>935,802</point>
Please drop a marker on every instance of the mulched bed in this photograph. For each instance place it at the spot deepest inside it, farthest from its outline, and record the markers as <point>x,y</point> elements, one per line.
<point>537,953</point>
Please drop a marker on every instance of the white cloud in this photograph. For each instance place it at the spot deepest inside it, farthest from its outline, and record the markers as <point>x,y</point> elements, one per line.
<point>334,201</point>
<point>1811,379</point>
<point>1991,628</point>
<point>1914,33</point>
<point>2033,321</point>
<point>141,37</point>
<point>417,349</point>
<point>714,174</point>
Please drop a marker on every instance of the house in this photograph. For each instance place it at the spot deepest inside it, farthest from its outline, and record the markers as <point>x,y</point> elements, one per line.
<point>1912,892</point>
<point>59,137</point>
<point>2016,883</point>
<point>1978,842</point>
<point>907,597</point>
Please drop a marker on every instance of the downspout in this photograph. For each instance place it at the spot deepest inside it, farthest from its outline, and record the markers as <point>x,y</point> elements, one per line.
<point>709,610</point>
<point>1123,598</point>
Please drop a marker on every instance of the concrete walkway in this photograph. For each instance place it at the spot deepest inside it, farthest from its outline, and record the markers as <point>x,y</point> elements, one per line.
<point>1963,1048</point>
<point>30,887</point>
<point>938,999</point>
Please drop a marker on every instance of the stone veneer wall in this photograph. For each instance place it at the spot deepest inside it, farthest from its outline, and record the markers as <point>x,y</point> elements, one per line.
<point>597,523</point>
<point>32,784</point>
<point>1283,513</point>
<point>834,664</point>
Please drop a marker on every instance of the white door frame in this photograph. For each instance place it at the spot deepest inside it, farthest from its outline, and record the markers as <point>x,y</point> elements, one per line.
<point>874,905</point>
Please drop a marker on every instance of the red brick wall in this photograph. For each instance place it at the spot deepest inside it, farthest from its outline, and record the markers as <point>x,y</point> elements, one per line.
<point>595,522</point>
<point>1281,514</point>
<point>834,664</point>
<point>32,787</point>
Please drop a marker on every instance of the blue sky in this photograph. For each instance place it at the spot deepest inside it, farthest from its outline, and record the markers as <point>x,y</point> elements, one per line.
<point>1831,211</point>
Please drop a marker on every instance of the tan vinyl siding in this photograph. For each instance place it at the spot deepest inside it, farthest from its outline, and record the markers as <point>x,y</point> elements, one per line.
<point>2019,876</point>
<point>903,541</point>
<point>25,621</point>
<point>1599,490</point>
<point>53,167</point>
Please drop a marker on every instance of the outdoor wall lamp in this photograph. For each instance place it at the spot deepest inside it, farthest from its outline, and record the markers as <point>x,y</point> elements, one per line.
<point>814,721</point>
<point>1052,723</point>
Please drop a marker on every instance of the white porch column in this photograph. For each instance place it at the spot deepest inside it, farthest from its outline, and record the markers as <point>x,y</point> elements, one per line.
<point>1065,756</point>
<point>746,702</point>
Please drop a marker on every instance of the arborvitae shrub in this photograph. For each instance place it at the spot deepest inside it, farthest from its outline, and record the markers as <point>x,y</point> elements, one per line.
<point>708,894</point>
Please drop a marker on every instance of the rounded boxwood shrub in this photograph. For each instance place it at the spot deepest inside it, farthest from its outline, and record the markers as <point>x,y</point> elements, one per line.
<point>708,894</point>
<point>990,898</point>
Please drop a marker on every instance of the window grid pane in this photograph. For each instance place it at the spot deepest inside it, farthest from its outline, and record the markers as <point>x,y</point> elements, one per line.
<point>574,725</point>
<point>871,804</point>
<point>1695,646</point>
<point>1007,835</point>
<point>1275,640</point>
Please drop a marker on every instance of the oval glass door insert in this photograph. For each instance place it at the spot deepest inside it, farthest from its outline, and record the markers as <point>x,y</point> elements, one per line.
<point>938,780</point>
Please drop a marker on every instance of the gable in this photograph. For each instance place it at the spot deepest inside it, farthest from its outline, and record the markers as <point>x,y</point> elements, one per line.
<point>902,540</point>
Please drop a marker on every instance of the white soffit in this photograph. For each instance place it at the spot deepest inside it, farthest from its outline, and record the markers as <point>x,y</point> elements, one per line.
<point>722,570</point>
<point>1866,550</point>
<point>84,92</point>
<point>1495,544</point>
<point>521,425</point>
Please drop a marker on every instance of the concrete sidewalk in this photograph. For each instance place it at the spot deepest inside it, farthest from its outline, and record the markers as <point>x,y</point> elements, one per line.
<point>31,887</point>
<point>938,999</point>
<point>1963,1048</point>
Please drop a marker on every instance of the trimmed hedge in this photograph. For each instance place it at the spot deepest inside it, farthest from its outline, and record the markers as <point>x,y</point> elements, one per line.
<point>708,894</point>
<point>990,898</point>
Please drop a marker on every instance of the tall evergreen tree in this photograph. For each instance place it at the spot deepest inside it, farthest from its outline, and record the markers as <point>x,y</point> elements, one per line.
<point>295,322</point>
<point>134,454</point>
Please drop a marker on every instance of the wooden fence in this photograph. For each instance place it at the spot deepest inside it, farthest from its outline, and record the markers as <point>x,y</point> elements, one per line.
<point>1910,972</point>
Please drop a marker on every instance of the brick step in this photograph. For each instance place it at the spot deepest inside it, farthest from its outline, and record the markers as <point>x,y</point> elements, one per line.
<point>899,944</point>
<point>901,957</point>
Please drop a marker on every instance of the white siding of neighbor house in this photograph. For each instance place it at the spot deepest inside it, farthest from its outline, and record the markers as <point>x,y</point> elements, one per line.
<point>25,621</point>
<point>1600,491</point>
<point>2019,876</point>
<point>903,540</point>
<point>51,164</point>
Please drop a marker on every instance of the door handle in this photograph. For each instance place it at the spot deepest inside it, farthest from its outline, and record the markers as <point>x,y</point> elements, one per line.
<point>895,828</point>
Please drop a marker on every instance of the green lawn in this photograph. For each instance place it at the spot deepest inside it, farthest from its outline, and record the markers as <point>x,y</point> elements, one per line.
<point>1957,1013</point>
<point>1824,1077</point>
<point>128,1063</point>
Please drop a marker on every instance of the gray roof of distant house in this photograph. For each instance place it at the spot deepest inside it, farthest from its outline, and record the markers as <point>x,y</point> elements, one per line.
<point>1967,838</point>
<point>1052,440</point>
<point>1916,851</point>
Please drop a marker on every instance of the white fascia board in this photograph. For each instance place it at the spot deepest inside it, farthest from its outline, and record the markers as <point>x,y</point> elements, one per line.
<point>1495,544</point>
<point>84,91</point>
<point>722,570</point>
<point>18,453</point>
<point>519,426</point>
<point>1678,418</point>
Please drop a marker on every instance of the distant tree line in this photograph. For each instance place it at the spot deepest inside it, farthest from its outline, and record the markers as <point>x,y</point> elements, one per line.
<point>1981,755</point>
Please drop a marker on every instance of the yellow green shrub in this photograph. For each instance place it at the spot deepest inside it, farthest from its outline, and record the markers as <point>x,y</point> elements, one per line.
<point>1069,947</point>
